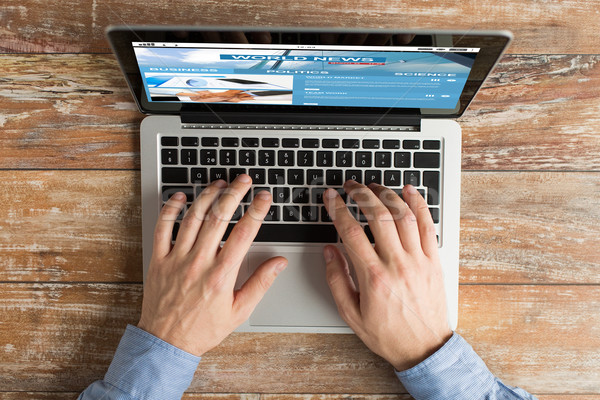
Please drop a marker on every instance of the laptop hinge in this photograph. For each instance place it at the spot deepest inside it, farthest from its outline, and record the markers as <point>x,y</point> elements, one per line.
<point>247,118</point>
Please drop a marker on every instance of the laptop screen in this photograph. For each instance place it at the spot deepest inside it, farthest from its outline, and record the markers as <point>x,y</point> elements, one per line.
<point>225,71</point>
<point>366,76</point>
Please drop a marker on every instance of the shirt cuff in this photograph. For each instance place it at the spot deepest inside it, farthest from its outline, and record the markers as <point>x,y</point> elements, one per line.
<point>449,373</point>
<point>146,367</point>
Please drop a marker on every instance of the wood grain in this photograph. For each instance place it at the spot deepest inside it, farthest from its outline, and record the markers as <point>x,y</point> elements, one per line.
<point>539,27</point>
<point>68,333</point>
<point>81,115</point>
<point>84,226</point>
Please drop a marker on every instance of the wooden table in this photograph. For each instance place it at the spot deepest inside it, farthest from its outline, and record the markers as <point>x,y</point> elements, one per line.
<point>70,237</point>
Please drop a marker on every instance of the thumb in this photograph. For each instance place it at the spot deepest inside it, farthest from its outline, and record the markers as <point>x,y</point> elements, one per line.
<point>341,284</point>
<point>253,290</point>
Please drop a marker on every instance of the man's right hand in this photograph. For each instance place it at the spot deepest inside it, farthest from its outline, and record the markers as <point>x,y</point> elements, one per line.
<point>400,310</point>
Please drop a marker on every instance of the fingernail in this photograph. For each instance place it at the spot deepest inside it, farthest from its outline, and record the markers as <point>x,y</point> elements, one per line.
<point>263,195</point>
<point>220,183</point>
<point>328,254</point>
<point>178,196</point>
<point>330,193</point>
<point>281,266</point>
<point>411,189</point>
<point>244,178</point>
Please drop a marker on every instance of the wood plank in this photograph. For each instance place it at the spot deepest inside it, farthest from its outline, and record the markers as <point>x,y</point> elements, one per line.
<point>548,27</point>
<point>73,395</point>
<point>542,338</point>
<point>74,111</point>
<point>84,226</point>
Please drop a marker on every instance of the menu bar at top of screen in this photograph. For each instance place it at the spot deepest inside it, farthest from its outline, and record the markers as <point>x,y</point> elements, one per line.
<point>308,47</point>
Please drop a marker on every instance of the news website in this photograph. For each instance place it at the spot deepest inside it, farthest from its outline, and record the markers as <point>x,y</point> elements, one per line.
<point>403,77</point>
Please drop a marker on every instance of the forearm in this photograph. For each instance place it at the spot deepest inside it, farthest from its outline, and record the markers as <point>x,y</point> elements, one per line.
<point>456,372</point>
<point>144,367</point>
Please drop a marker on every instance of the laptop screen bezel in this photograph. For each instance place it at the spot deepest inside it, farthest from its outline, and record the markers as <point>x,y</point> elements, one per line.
<point>491,45</point>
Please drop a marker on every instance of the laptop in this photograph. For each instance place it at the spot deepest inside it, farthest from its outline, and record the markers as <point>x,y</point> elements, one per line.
<point>301,110</point>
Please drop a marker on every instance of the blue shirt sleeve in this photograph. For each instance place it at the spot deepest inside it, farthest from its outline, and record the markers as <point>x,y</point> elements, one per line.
<point>456,372</point>
<point>144,367</point>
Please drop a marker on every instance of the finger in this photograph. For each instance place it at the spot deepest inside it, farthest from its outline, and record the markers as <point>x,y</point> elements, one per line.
<point>379,217</point>
<point>195,216</point>
<point>164,226</point>
<point>355,241</point>
<point>342,286</point>
<point>419,208</point>
<point>220,213</point>
<point>254,289</point>
<point>241,237</point>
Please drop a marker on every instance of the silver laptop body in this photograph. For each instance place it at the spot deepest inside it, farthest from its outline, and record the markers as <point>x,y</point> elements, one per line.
<point>377,105</point>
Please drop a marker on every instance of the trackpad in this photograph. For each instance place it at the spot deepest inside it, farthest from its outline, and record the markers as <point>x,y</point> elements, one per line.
<point>300,295</point>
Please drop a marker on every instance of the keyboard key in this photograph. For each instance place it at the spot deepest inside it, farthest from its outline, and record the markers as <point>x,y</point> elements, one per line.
<point>334,177</point>
<point>402,160</point>
<point>324,158</point>
<point>218,173</point>
<point>411,144</point>
<point>431,144</point>
<point>250,142</point>
<point>175,231</point>
<point>230,142</point>
<point>369,234</point>
<point>370,143</point>
<point>391,144</point>
<point>310,143</point>
<point>199,175</point>
<point>276,176</point>
<point>247,157</point>
<point>190,141</point>
<point>270,142</point>
<point>383,159</point>
<point>350,143</point>
<point>209,141</point>
<point>174,175</point>
<point>291,213</point>
<point>295,177</point>
<point>354,175</point>
<point>169,141</point>
<point>427,160</point>
<point>168,191</point>
<point>325,215</point>
<point>273,214</point>
<point>235,172</point>
<point>317,195</point>
<point>435,215</point>
<point>391,178</point>
<point>300,195</point>
<point>189,156</point>
<point>293,143</point>
<point>169,156</point>
<point>373,176</point>
<point>227,157</point>
<point>258,176</point>
<point>330,143</point>
<point>343,159</point>
<point>266,157</point>
<point>310,213</point>
<point>431,179</point>
<point>306,158</point>
<point>281,194</point>
<point>412,178</point>
<point>303,233</point>
<point>363,159</point>
<point>285,158</point>
<point>314,177</point>
<point>208,157</point>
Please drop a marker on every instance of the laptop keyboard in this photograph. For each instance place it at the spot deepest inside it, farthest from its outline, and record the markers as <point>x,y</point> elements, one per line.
<point>297,171</point>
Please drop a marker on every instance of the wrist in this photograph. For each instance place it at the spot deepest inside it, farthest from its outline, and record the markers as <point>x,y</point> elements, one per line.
<point>408,361</point>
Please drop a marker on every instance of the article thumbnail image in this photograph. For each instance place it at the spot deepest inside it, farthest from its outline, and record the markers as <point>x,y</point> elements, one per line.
<point>222,88</point>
